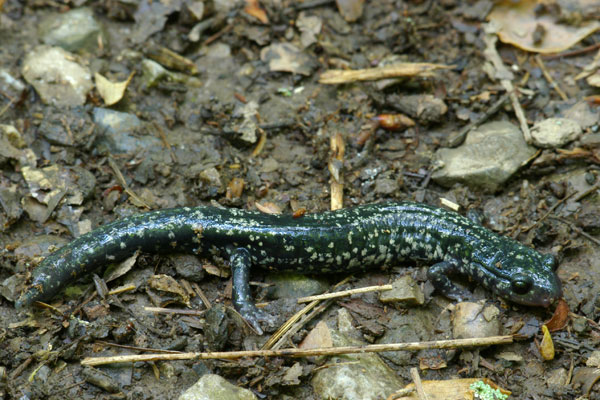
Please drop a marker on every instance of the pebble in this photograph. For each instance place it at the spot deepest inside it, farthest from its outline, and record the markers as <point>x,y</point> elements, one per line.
<point>214,387</point>
<point>489,156</point>
<point>56,77</point>
<point>552,133</point>
<point>74,30</point>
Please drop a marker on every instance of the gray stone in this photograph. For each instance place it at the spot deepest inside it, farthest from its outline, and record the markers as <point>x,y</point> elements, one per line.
<point>404,290</point>
<point>118,130</point>
<point>555,132</point>
<point>488,158</point>
<point>354,376</point>
<point>472,320</point>
<point>56,77</point>
<point>213,387</point>
<point>291,285</point>
<point>73,31</point>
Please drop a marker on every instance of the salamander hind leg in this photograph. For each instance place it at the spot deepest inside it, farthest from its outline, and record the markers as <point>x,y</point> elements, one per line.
<point>239,261</point>
<point>438,275</point>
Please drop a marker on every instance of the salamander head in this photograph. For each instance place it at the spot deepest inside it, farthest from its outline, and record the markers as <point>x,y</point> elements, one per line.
<point>524,276</point>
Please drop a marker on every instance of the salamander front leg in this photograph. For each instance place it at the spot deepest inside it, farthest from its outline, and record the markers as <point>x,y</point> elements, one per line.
<point>239,261</point>
<point>438,275</point>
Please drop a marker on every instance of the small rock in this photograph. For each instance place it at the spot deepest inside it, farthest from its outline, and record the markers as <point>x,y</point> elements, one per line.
<point>386,186</point>
<point>355,376</point>
<point>188,266</point>
<point>557,377</point>
<point>74,30</point>
<point>118,130</point>
<point>11,287</point>
<point>487,159</point>
<point>100,379</point>
<point>555,132</point>
<point>583,113</point>
<point>288,58</point>
<point>12,146</point>
<point>351,10</point>
<point>472,320</point>
<point>424,107</point>
<point>404,290</point>
<point>214,387</point>
<point>56,77</point>
<point>594,359</point>
<point>591,140</point>
<point>310,27</point>
<point>291,285</point>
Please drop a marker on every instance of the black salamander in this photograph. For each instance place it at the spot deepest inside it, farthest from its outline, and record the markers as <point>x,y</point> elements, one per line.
<point>330,242</point>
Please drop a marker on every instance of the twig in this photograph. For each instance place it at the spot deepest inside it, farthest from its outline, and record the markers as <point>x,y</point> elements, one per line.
<point>536,223</point>
<point>179,311</point>
<point>274,340</point>
<point>136,348</point>
<point>336,76</point>
<point>345,293</point>
<point>587,192</point>
<point>124,184</point>
<point>505,76</point>
<point>306,318</point>
<point>573,52</point>
<point>163,137</point>
<point>217,35</point>
<point>414,374</point>
<point>459,137</point>
<point>294,352</point>
<point>542,66</point>
<point>577,229</point>
<point>202,296</point>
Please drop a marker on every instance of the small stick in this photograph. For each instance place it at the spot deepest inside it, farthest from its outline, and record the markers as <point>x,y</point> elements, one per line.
<point>136,348</point>
<point>124,184</point>
<point>587,192</point>
<point>536,223</point>
<point>122,289</point>
<point>295,352</point>
<point>202,296</point>
<point>573,52</point>
<point>180,311</point>
<point>336,76</point>
<point>549,78</point>
<point>344,293</point>
<point>414,374</point>
<point>577,229</point>
<point>274,340</point>
<point>293,329</point>
<point>458,138</point>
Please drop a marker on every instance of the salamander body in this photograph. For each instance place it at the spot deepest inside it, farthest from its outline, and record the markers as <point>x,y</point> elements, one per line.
<point>330,242</point>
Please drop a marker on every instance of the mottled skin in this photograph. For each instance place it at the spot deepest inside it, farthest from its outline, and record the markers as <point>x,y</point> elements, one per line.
<point>329,242</point>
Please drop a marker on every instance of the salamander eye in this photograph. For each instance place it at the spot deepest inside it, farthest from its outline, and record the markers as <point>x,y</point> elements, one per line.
<point>521,284</point>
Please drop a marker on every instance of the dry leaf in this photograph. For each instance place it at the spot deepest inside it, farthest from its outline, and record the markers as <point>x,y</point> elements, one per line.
<point>560,317</point>
<point>268,208</point>
<point>394,122</point>
<point>547,346</point>
<point>519,25</point>
<point>235,188</point>
<point>254,9</point>
<point>111,92</point>
<point>166,283</point>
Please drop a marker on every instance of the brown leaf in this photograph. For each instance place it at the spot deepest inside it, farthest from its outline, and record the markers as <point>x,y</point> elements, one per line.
<point>254,9</point>
<point>560,317</point>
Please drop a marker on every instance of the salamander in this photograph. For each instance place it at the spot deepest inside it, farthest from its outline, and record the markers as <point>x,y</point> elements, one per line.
<point>339,241</point>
